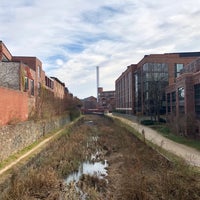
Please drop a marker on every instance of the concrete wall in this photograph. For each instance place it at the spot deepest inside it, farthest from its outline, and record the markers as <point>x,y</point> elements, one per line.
<point>14,138</point>
<point>13,106</point>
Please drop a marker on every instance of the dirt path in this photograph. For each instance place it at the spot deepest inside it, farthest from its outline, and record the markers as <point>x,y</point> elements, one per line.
<point>189,154</point>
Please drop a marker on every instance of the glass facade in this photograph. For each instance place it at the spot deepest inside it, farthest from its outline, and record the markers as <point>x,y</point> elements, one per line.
<point>181,99</point>
<point>155,80</point>
<point>168,103</point>
<point>173,102</point>
<point>178,68</point>
<point>137,102</point>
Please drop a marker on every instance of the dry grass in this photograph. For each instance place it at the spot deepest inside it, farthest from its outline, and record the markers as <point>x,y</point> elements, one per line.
<point>135,170</point>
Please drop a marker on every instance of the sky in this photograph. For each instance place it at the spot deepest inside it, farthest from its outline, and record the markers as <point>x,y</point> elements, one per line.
<point>73,37</point>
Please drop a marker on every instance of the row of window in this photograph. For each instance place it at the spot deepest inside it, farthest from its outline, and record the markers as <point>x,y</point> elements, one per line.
<point>162,68</point>
<point>197,99</point>
<point>181,98</point>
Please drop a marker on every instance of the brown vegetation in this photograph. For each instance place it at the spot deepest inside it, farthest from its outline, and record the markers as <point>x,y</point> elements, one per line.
<point>47,105</point>
<point>135,170</point>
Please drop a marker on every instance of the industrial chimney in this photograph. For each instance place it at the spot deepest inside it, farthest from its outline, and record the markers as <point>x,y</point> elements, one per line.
<point>97,84</point>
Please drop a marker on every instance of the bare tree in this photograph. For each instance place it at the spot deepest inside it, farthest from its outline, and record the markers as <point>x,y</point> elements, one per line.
<point>155,79</point>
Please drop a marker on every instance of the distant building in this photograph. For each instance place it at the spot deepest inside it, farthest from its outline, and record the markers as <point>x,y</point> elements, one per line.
<point>106,99</point>
<point>59,88</point>
<point>89,103</point>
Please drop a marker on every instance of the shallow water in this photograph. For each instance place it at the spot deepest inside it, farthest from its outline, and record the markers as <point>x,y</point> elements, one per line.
<point>94,165</point>
<point>98,169</point>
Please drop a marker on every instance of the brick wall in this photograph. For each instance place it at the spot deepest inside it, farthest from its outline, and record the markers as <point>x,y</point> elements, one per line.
<point>13,106</point>
<point>14,138</point>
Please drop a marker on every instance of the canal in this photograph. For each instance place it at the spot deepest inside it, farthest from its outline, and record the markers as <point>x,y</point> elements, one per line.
<point>100,158</point>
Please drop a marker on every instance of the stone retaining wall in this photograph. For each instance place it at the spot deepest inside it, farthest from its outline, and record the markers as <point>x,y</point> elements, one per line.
<point>14,138</point>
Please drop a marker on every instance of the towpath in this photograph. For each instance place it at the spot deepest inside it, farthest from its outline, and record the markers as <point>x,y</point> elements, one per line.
<point>27,154</point>
<point>190,155</point>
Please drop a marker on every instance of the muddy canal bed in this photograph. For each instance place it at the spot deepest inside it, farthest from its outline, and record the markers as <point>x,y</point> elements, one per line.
<point>98,159</point>
<point>92,170</point>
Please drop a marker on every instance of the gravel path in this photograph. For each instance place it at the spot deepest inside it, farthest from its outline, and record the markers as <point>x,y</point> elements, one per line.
<point>190,155</point>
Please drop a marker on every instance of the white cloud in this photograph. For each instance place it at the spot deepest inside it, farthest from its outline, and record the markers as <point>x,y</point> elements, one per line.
<point>72,37</point>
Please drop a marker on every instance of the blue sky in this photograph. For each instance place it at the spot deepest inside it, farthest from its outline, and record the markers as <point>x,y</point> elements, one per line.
<point>71,38</point>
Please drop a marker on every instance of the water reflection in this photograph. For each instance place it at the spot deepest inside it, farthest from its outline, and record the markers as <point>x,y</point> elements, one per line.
<point>98,169</point>
<point>93,167</point>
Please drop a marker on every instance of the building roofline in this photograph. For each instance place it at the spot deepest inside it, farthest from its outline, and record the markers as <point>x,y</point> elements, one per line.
<point>6,48</point>
<point>108,91</point>
<point>58,80</point>
<point>181,54</point>
<point>127,69</point>
<point>33,57</point>
<point>187,54</point>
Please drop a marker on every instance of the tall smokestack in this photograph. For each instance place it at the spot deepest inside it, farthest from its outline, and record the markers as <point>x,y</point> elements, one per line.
<point>97,83</point>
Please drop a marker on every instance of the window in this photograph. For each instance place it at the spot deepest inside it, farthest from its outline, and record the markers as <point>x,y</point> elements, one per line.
<point>39,88</point>
<point>168,103</point>
<point>39,72</point>
<point>181,93</point>
<point>197,99</point>
<point>32,87</point>
<point>26,85</point>
<point>181,97</point>
<point>178,68</point>
<point>155,79</point>
<point>173,96</point>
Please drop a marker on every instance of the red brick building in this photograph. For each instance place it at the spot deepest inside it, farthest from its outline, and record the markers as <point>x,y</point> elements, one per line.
<point>183,100</point>
<point>89,103</point>
<point>106,100</point>
<point>125,93</point>
<point>5,54</point>
<point>25,77</point>
<point>137,86</point>
<point>35,66</point>
<point>58,88</point>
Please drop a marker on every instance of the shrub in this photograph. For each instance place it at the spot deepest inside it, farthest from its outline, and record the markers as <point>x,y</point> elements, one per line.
<point>147,122</point>
<point>162,120</point>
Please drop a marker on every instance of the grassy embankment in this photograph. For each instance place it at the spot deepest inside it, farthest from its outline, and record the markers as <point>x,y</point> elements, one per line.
<point>165,131</point>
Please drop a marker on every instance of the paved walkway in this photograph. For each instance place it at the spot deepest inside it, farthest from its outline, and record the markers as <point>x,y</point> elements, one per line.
<point>190,155</point>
